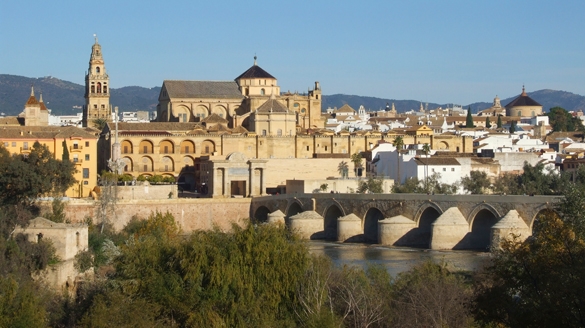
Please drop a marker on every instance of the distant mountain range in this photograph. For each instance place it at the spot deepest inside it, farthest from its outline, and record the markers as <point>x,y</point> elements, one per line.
<point>64,97</point>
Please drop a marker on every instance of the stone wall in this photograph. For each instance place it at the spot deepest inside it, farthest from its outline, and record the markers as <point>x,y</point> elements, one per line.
<point>147,192</point>
<point>191,214</point>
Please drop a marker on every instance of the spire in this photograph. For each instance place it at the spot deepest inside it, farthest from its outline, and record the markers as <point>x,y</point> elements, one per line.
<point>523,91</point>
<point>95,37</point>
<point>41,98</point>
<point>255,64</point>
<point>32,90</point>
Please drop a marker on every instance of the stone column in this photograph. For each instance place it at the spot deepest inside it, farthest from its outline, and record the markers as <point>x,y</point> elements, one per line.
<point>251,180</point>
<point>449,230</point>
<point>349,228</point>
<point>394,230</point>
<point>226,183</point>
<point>262,183</point>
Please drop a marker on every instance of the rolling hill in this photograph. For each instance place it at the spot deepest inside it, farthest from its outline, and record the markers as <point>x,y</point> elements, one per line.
<point>64,97</point>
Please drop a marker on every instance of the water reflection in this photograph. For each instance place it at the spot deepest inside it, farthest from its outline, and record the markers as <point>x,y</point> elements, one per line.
<point>396,259</point>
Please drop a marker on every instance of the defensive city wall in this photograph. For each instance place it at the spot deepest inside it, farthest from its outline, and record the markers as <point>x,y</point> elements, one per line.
<point>413,220</point>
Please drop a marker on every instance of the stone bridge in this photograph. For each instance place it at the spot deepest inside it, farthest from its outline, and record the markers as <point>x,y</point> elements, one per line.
<point>414,220</point>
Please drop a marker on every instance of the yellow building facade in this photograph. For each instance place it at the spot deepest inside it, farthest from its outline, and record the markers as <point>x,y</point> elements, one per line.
<point>176,149</point>
<point>81,144</point>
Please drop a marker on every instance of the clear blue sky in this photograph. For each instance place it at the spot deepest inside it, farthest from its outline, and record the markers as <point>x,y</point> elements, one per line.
<point>431,51</point>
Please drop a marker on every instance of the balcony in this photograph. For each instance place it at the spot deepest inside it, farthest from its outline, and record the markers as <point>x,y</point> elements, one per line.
<point>25,150</point>
<point>77,161</point>
<point>75,148</point>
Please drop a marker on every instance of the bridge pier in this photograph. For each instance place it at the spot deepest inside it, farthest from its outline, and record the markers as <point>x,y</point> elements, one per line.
<point>510,226</point>
<point>276,217</point>
<point>349,229</point>
<point>449,230</point>
<point>308,225</point>
<point>394,231</point>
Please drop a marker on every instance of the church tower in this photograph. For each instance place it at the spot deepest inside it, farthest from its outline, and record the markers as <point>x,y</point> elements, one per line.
<point>97,96</point>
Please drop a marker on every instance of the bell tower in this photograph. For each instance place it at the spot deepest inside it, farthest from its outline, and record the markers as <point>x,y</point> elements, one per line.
<point>97,95</point>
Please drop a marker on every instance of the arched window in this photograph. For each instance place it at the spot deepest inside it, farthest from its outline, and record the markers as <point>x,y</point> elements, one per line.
<point>99,87</point>
<point>262,92</point>
<point>105,89</point>
<point>92,88</point>
<point>97,70</point>
<point>279,132</point>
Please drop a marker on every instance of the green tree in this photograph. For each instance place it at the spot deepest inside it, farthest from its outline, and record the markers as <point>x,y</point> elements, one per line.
<point>99,123</point>
<point>488,124</point>
<point>469,119</point>
<point>429,295</point>
<point>25,178</point>
<point>539,282</point>
<point>561,120</point>
<point>65,156</point>
<point>507,184</point>
<point>426,148</point>
<point>248,277</point>
<point>499,123</point>
<point>398,143</point>
<point>371,185</point>
<point>410,185</point>
<point>343,168</point>
<point>356,159</point>
<point>512,128</point>
<point>20,304</point>
<point>476,183</point>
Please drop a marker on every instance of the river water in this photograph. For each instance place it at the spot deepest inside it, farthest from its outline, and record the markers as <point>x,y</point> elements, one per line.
<point>396,259</point>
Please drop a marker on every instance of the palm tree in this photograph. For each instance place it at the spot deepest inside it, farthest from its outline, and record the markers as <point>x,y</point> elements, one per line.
<point>342,168</point>
<point>426,149</point>
<point>356,159</point>
<point>399,144</point>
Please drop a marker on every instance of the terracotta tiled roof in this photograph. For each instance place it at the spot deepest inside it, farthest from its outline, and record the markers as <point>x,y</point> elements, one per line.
<point>214,118</point>
<point>437,161</point>
<point>32,101</point>
<point>522,100</point>
<point>154,126</point>
<point>11,120</point>
<point>198,89</point>
<point>273,106</point>
<point>345,109</point>
<point>255,72</point>
<point>43,132</point>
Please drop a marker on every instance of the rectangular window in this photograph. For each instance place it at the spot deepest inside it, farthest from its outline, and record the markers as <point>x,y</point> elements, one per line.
<point>145,168</point>
<point>307,148</point>
<point>444,169</point>
<point>125,149</point>
<point>85,182</point>
<point>263,132</point>
<point>145,150</point>
<point>6,144</point>
<point>87,144</point>
<point>25,145</point>
<point>13,144</point>
<point>87,157</point>
<point>452,169</point>
<point>166,149</point>
<point>75,146</point>
<point>86,173</point>
<point>75,158</point>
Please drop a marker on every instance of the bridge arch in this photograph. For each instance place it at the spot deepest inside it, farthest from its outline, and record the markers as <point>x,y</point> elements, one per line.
<point>534,225</point>
<point>294,208</point>
<point>332,213</point>
<point>426,215</point>
<point>483,218</point>
<point>373,215</point>
<point>261,214</point>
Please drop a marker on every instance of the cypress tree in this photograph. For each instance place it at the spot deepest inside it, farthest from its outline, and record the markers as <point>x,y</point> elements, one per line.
<point>488,124</point>
<point>65,156</point>
<point>499,121</point>
<point>512,127</point>
<point>469,121</point>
